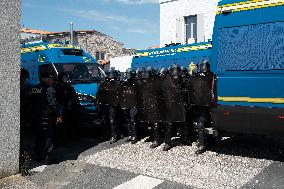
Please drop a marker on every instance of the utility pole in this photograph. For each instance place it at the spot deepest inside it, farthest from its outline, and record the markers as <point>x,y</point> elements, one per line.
<point>71,33</point>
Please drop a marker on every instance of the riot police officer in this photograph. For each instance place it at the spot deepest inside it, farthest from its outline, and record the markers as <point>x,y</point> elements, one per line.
<point>174,106</point>
<point>128,104</point>
<point>159,123</point>
<point>108,97</point>
<point>150,113</point>
<point>187,127</point>
<point>69,101</point>
<point>145,128</point>
<point>201,88</point>
<point>24,106</point>
<point>47,113</point>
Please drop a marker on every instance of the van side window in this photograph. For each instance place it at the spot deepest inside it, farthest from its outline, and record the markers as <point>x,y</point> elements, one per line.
<point>72,52</point>
<point>46,69</point>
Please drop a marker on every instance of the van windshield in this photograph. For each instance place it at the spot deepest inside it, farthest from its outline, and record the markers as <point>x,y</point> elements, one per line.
<point>80,72</point>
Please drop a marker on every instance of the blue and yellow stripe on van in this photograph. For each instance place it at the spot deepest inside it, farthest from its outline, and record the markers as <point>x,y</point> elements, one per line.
<point>249,5</point>
<point>49,46</point>
<point>165,51</point>
<point>195,48</point>
<point>252,100</point>
<point>62,46</point>
<point>33,49</point>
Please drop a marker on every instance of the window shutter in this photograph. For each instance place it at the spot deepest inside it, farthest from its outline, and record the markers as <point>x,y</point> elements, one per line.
<point>200,28</point>
<point>179,30</point>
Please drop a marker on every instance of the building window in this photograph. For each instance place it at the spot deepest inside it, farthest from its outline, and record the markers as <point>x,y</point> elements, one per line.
<point>100,55</point>
<point>97,55</point>
<point>191,29</point>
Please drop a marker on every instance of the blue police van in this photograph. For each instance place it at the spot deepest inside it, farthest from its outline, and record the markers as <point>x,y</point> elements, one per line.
<point>82,70</point>
<point>184,55</point>
<point>248,59</point>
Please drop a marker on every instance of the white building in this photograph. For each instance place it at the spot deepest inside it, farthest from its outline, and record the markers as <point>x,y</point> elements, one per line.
<point>186,21</point>
<point>121,63</point>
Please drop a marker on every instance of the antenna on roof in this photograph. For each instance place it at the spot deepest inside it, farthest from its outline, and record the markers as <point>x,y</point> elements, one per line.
<point>71,33</point>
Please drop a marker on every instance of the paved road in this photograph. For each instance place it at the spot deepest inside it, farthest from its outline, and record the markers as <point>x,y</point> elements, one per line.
<point>89,163</point>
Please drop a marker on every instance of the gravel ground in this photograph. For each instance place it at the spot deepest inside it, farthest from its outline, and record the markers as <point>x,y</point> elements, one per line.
<point>180,164</point>
<point>16,182</point>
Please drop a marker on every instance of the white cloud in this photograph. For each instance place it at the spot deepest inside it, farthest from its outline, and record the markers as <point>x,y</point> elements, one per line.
<point>138,1</point>
<point>134,1</point>
<point>102,16</point>
<point>115,28</point>
<point>137,30</point>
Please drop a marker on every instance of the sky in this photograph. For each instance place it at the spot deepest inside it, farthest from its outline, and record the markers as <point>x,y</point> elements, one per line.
<point>136,23</point>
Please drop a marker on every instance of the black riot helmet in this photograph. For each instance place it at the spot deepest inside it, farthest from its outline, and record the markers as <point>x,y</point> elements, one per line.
<point>129,74</point>
<point>138,73</point>
<point>113,74</point>
<point>163,72</point>
<point>204,66</point>
<point>175,71</point>
<point>149,72</point>
<point>184,72</point>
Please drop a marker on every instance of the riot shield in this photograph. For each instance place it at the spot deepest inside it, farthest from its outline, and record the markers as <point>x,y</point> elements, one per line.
<point>174,106</point>
<point>114,93</point>
<point>140,91</point>
<point>108,93</point>
<point>185,92</point>
<point>200,90</point>
<point>101,94</point>
<point>128,96</point>
<point>151,112</point>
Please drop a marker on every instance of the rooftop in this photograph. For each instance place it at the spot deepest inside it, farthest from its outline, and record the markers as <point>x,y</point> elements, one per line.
<point>33,31</point>
<point>47,33</point>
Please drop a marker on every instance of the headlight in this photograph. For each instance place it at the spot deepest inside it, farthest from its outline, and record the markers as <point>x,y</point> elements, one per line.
<point>86,98</point>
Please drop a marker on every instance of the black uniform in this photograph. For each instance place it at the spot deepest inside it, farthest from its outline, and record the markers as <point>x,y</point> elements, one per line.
<point>145,128</point>
<point>128,103</point>
<point>174,105</point>
<point>149,93</point>
<point>45,112</point>
<point>108,97</point>
<point>69,101</point>
<point>151,101</point>
<point>25,92</point>
<point>159,127</point>
<point>201,96</point>
<point>187,126</point>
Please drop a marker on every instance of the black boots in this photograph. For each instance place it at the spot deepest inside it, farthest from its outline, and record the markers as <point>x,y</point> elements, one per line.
<point>200,150</point>
<point>157,136</point>
<point>134,140</point>
<point>168,137</point>
<point>167,147</point>
<point>113,140</point>
<point>201,138</point>
<point>155,144</point>
<point>128,139</point>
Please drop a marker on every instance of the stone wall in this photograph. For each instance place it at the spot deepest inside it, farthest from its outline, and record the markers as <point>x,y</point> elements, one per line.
<point>172,11</point>
<point>10,88</point>
<point>95,42</point>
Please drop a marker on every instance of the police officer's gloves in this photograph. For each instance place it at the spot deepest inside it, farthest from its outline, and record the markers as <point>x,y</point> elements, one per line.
<point>59,120</point>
